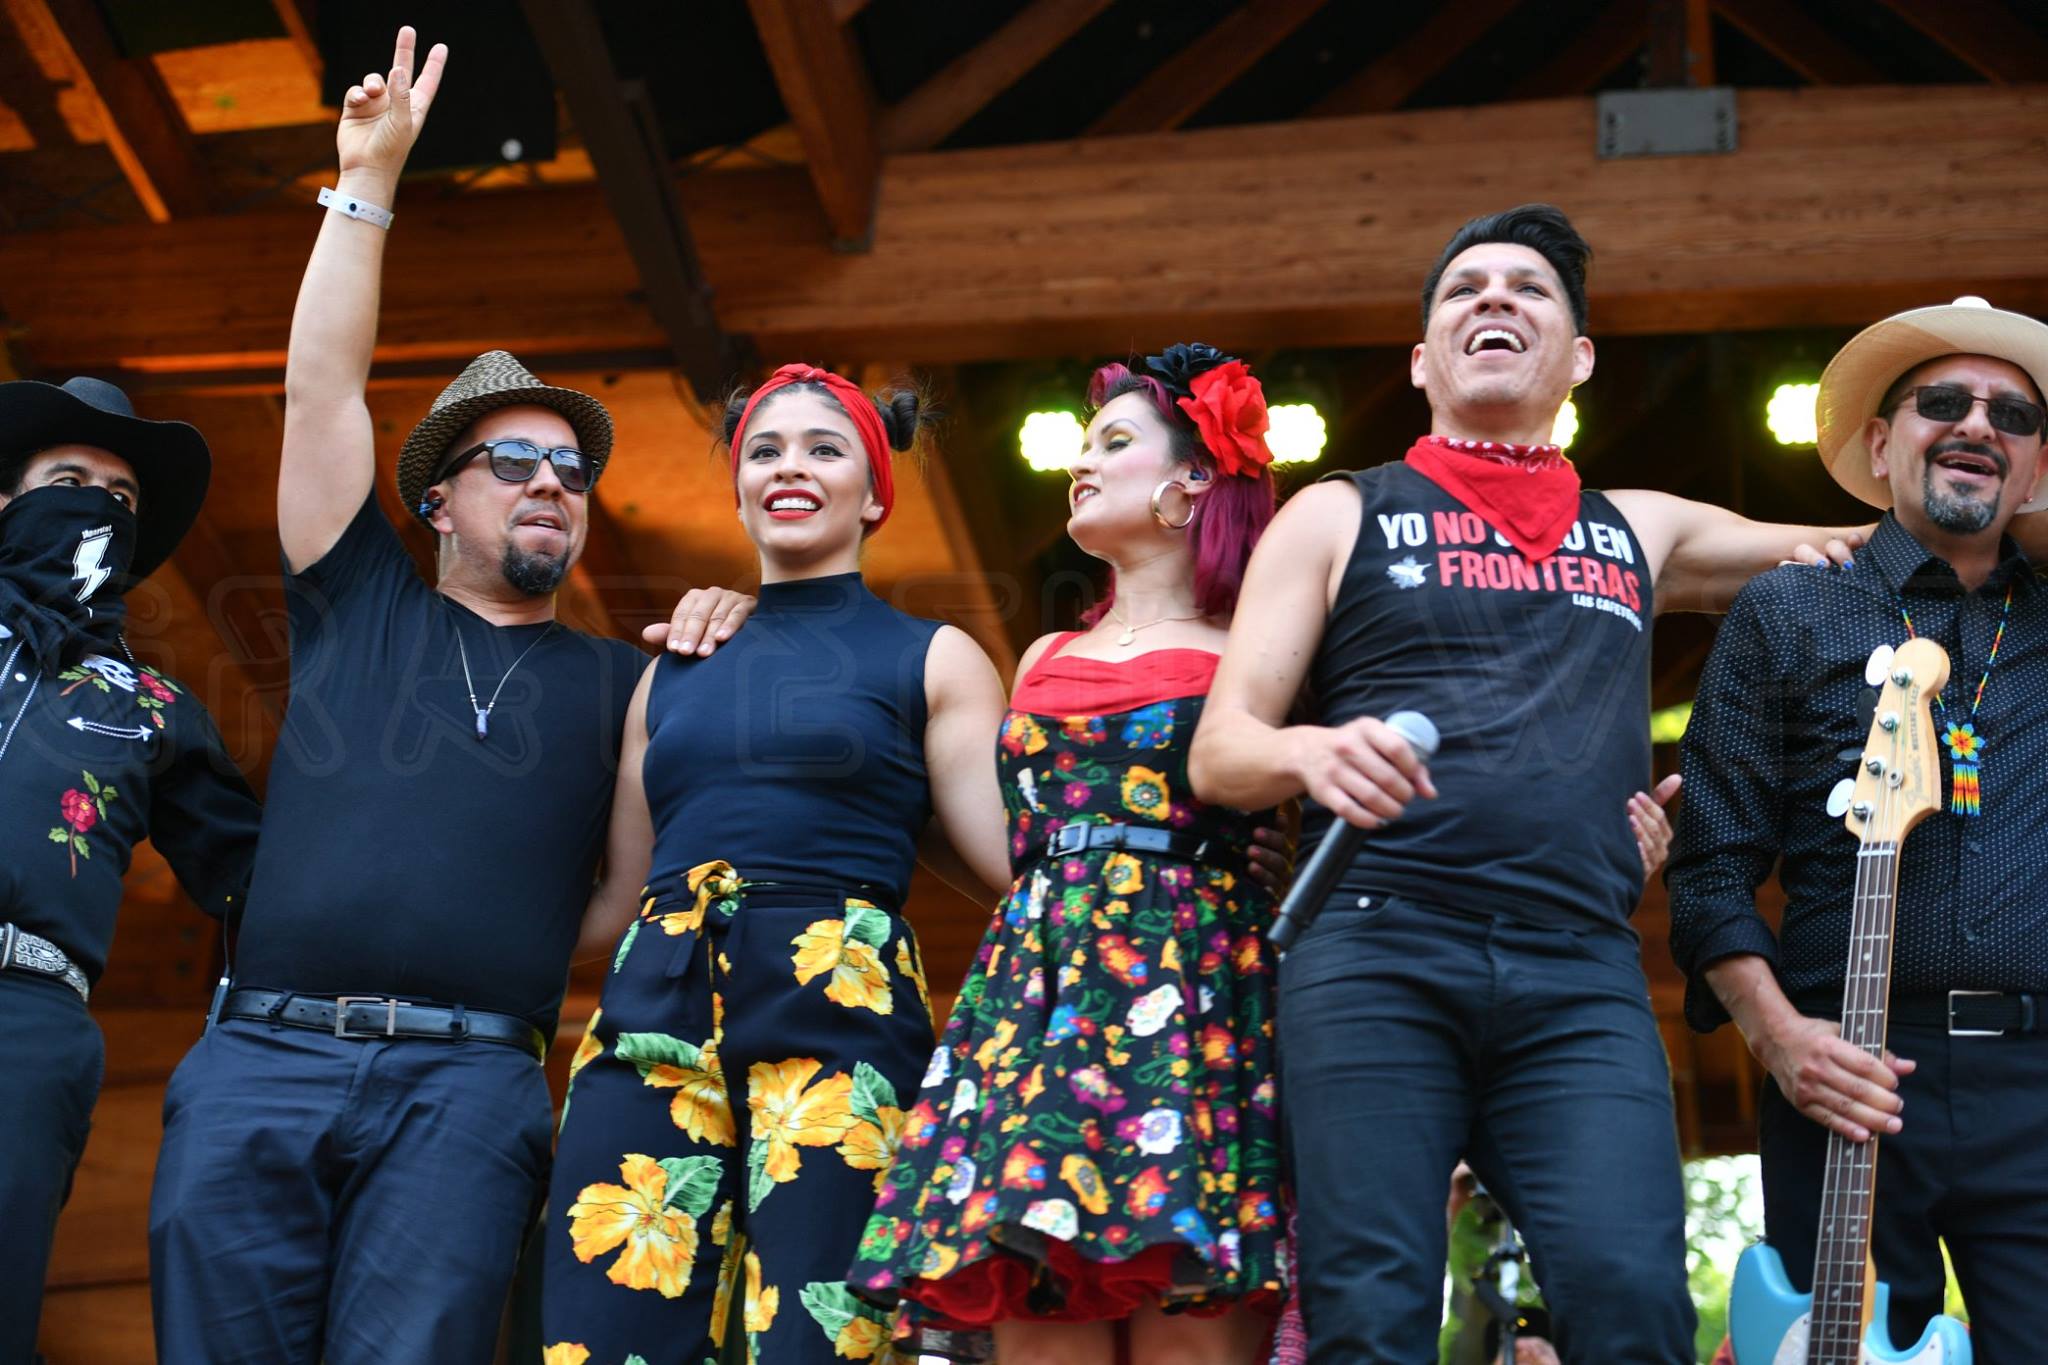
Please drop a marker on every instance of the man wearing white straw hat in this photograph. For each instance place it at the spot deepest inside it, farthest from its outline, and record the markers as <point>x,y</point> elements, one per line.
<point>355,1150</point>
<point>1937,415</point>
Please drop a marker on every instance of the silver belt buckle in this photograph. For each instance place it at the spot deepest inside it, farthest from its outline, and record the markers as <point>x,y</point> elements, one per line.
<point>9,935</point>
<point>341,1004</point>
<point>1955,1032</point>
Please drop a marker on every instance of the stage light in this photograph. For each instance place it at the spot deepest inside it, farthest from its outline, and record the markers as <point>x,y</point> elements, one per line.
<point>1049,441</point>
<point>1567,425</point>
<point>1297,433</point>
<point>1667,726</point>
<point>1793,415</point>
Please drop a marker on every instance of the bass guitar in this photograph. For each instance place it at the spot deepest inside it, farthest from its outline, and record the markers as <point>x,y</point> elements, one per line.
<point>1842,1322</point>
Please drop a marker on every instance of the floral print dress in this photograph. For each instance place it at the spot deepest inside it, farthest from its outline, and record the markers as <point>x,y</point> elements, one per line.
<point>1097,1130</point>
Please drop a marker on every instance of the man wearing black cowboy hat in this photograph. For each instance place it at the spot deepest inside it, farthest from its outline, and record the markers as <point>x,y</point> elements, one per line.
<point>353,1154</point>
<point>1936,415</point>
<point>97,753</point>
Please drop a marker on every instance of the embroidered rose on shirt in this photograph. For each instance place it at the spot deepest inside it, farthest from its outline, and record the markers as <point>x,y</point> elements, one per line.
<point>81,811</point>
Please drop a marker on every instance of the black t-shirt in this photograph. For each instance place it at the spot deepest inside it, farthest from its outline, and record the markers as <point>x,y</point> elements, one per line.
<point>399,854</point>
<point>1537,674</point>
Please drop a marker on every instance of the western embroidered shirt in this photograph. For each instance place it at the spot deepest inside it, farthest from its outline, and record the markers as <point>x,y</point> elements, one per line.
<point>92,762</point>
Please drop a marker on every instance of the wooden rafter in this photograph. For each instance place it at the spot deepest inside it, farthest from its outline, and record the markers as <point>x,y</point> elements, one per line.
<point>1205,68</point>
<point>1982,33</point>
<point>825,88</point>
<point>1810,49</point>
<point>931,113</point>
<point>1615,34</point>
<point>1418,58</point>
<point>616,121</point>
<point>1681,46</point>
<point>141,122</point>
<point>545,271</point>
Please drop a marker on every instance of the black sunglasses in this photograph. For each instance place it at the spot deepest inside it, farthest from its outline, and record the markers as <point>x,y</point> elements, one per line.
<point>515,461</point>
<point>1947,403</point>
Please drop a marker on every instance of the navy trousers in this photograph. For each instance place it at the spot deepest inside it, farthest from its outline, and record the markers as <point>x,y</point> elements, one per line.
<point>1416,1035</point>
<point>1969,1166</point>
<point>321,1198</point>
<point>49,1079</point>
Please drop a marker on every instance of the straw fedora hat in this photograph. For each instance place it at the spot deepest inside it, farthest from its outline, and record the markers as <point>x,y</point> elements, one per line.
<point>170,459</point>
<point>495,380</point>
<point>1855,381</point>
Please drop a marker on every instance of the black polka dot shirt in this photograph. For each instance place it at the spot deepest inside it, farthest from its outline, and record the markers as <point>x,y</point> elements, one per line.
<point>1781,717</point>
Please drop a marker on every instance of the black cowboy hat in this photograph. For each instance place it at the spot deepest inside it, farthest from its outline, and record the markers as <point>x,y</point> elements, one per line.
<point>170,459</point>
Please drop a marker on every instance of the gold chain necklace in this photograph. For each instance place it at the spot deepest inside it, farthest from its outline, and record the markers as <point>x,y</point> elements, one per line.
<point>1130,634</point>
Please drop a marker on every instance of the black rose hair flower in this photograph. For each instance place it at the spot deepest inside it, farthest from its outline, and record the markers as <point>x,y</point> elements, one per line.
<point>1178,365</point>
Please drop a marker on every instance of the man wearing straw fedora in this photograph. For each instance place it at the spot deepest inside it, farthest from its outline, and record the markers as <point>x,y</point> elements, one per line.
<point>1937,416</point>
<point>97,752</point>
<point>354,1151</point>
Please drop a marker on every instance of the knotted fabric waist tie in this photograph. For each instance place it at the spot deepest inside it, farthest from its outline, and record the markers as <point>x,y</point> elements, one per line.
<point>368,1017</point>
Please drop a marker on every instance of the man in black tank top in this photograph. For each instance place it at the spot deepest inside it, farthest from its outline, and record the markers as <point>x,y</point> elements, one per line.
<point>1473,989</point>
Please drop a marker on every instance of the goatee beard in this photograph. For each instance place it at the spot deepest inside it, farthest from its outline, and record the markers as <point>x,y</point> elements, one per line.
<point>1957,516</point>
<point>536,575</point>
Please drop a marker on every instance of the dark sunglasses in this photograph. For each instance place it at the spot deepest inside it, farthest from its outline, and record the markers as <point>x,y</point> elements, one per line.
<point>515,461</point>
<point>1947,403</point>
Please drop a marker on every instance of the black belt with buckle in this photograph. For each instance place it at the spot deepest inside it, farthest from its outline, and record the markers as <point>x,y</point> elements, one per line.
<point>375,1016</point>
<point>1068,840</point>
<point>1960,1014</point>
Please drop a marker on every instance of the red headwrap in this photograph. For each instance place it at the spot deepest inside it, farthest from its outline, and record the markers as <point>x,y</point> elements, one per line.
<point>867,423</point>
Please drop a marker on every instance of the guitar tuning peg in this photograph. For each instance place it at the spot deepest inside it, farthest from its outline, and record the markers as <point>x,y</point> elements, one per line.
<point>1838,799</point>
<point>1879,666</point>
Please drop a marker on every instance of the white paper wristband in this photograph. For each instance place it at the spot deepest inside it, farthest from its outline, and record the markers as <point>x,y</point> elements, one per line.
<point>355,208</point>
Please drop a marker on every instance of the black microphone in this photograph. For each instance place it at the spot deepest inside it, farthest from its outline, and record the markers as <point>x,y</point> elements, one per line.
<point>1314,883</point>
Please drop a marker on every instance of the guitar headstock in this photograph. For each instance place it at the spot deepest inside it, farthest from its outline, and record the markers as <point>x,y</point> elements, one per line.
<point>1898,779</point>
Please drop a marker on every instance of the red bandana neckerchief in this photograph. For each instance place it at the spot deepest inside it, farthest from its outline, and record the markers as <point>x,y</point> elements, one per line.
<point>1530,494</point>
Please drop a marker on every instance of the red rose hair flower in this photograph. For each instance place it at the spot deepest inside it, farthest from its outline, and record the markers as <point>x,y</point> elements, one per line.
<point>1229,409</point>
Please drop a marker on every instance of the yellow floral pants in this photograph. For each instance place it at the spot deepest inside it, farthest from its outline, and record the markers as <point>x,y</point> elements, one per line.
<point>734,1104</point>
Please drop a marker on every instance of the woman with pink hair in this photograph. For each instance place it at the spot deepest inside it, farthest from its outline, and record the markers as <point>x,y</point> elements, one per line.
<point>1095,1148</point>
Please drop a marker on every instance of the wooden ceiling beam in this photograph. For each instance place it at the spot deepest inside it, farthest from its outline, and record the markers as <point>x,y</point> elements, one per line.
<point>1681,46</point>
<point>617,122</point>
<point>825,88</point>
<point>142,125</point>
<point>964,87</point>
<point>1179,87</point>
<point>1984,34</point>
<point>1810,49</point>
<point>987,254</point>
<point>1618,32</point>
<point>1417,59</point>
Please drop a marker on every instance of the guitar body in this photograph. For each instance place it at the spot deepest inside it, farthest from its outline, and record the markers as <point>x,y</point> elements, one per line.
<point>1767,1322</point>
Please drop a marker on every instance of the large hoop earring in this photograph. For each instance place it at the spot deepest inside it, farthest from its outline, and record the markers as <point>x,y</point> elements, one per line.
<point>1159,514</point>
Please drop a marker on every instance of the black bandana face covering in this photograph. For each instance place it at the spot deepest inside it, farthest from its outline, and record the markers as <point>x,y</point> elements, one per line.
<point>64,556</point>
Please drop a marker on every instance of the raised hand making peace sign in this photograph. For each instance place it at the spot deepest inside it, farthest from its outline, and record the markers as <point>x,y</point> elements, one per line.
<point>381,118</point>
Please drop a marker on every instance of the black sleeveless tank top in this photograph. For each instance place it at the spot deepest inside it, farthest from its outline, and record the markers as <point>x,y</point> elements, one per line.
<point>796,752</point>
<point>1537,676</point>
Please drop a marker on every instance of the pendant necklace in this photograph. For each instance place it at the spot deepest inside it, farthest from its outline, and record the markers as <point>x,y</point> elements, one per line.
<point>483,713</point>
<point>1130,634</point>
<point>1965,746</point>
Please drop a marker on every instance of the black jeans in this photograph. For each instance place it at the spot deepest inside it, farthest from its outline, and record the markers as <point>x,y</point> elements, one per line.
<point>51,1058</point>
<point>1969,1165</point>
<point>1415,1035</point>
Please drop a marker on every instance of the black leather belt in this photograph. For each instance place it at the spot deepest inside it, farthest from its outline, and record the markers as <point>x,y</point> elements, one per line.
<point>23,951</point>
<point>1963,1014</point>
<point>375,1016</point>
<point>1068,840</point>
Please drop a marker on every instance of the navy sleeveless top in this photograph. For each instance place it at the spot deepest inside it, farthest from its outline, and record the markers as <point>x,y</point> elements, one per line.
<point>796,752</point>
<point>1537,674</point>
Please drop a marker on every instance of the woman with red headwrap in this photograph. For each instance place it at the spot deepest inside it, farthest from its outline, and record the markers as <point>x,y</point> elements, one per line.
<point>1095,1148</point>
<point>764,1018</point>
